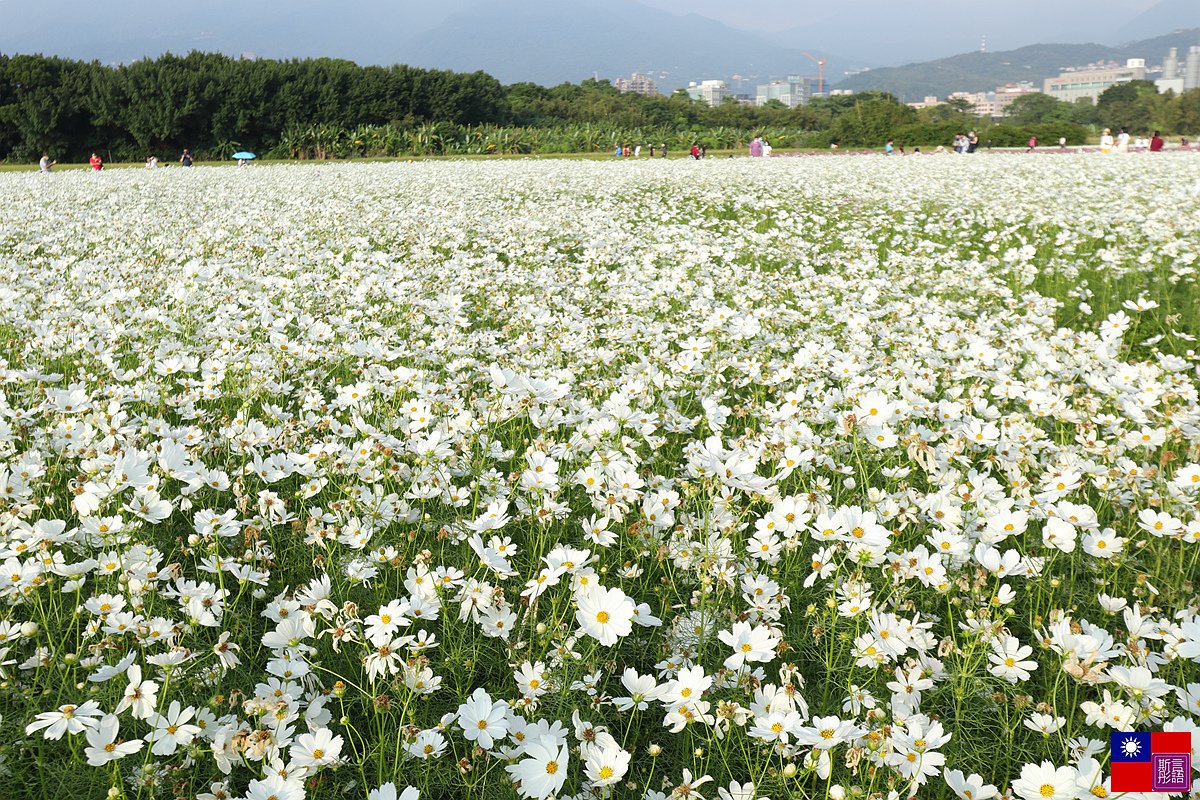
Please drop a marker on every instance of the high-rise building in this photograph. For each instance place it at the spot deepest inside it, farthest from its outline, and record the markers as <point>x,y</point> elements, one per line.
<point>1191,70</point>
<point>711,92</point>
<point>793,92</point>
<point>640,83</point>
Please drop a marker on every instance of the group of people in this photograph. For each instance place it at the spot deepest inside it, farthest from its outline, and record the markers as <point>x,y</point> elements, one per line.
<point>636,151</point>
<point>966,142</point>
<point>1121,143</point>
<point>96,163</point>
<point>759,147</point>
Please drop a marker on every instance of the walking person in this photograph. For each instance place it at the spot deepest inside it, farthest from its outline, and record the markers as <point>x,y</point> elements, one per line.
<point>888,149</point>
<point>1032,143</point>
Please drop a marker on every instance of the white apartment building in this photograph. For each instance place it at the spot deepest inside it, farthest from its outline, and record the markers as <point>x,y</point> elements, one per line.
<point>1071,85</point>
<point>793,92</point>
<point>711,92</point>
<point>640,83</point>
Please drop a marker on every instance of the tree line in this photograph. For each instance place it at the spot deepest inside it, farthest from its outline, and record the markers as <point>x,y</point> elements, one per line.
<point>328,108</point>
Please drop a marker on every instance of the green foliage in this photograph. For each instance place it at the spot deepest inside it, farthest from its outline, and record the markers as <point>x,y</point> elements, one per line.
<point>204,100</point>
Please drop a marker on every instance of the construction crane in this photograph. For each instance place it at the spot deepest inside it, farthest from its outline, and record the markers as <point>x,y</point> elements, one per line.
<point>820,73</point>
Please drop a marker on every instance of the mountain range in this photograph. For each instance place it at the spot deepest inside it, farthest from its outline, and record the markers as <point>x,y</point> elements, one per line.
<point>551,41</point>
<point>983,72</point>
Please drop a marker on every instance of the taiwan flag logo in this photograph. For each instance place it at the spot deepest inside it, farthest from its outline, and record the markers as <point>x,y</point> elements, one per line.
<point>1151,762</point>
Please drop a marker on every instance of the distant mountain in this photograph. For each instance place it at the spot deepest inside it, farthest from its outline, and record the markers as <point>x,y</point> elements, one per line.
<point>551,41</point>
<point>982,72</point>
<point>364,31</point>
<point>533,40</point>
<point>1165,16</point>
<point>887,33</point>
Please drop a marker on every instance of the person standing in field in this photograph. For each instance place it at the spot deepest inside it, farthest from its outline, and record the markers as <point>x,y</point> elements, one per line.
<point>1106,141</point>
<point>96,163</point>
<point>186,159</point>
<point>651,151</point>
<point>1032,143</point>
<point>45,164</point>
<point>972,142</point>
<point>1156,143</point>
<point>1123,141</point>
<point>663,148</point>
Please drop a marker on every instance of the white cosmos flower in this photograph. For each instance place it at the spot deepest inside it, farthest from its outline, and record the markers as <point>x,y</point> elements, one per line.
<point>102,743</point>
<point>481,719</point>
<point>1046,782</point>
<point>69,718</point>
<point>605,614</point>
<point>543,771</point>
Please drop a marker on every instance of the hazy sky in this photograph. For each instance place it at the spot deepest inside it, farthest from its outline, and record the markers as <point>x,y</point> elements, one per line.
<point>873,32</point>
<point>973,16</point>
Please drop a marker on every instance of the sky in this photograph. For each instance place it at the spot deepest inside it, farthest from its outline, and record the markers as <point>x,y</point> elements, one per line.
<point>972,22</point>
<point>869,32</point>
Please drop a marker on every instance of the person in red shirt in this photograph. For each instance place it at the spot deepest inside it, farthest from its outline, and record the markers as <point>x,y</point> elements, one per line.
<point>696,152</point>
<point>96,162</point>
<point>1156,143</point>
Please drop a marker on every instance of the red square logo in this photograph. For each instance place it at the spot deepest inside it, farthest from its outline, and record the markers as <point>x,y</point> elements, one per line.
<point>1131,776</point>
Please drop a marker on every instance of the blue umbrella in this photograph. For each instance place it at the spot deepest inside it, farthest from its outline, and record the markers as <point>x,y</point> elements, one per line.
<point>243,154</point>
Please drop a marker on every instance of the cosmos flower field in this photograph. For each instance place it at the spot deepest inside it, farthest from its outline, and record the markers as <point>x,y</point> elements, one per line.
<point>788,478</point>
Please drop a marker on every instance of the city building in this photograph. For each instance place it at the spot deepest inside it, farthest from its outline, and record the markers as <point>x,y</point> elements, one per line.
<point>1180,76</point>
<point>929,102</point>
<point>640,83</point>
<point>995,104</point>
<point>1091,82</point>
<point>793,92</point>
<point>1171,78</point>
<point>711,92</point>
